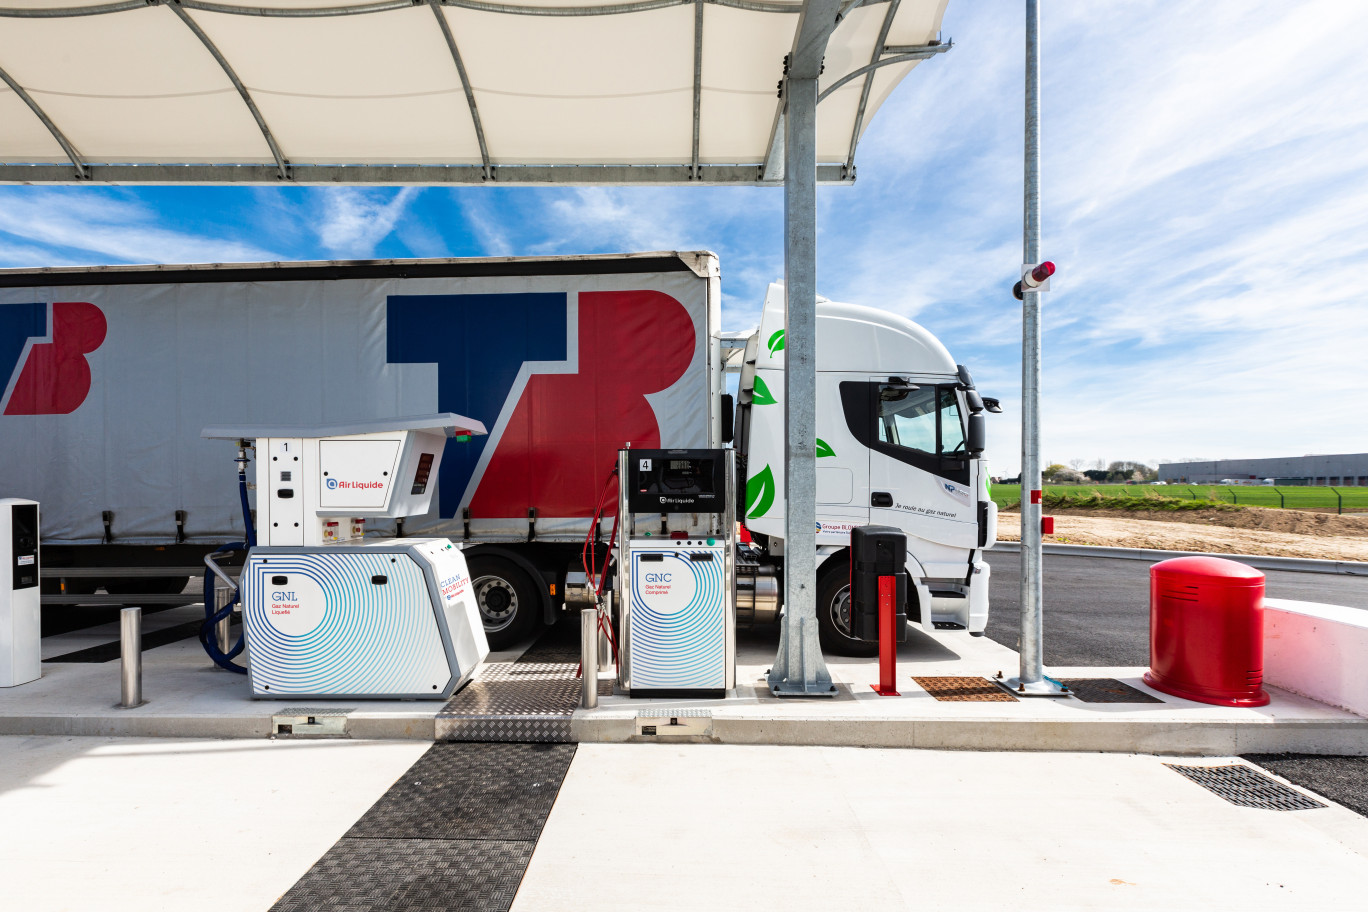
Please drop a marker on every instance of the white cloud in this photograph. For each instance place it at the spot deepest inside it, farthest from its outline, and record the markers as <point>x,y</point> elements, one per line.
<point>354,220</point>
<point>89,225</point>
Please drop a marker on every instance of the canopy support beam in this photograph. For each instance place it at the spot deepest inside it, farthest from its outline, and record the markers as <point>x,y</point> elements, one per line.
<point>869,83</point>
<point>77,162</point>
<point>465,86</point>
<point>799,669</point>
<point>282,165</point>
<point>906,54</point>
<point>697,83</point>
<point>559,175</point>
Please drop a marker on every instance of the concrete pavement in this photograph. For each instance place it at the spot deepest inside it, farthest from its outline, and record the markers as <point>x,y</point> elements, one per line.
<point>171,824</point>
<point>231,825</point>
<point>746,828</point>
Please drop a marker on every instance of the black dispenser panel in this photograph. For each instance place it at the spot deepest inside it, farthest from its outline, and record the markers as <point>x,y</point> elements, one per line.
<point>24,545</point>
<point>676,481</point>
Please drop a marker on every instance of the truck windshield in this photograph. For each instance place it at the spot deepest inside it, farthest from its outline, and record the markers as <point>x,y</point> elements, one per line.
<point>925,419</point>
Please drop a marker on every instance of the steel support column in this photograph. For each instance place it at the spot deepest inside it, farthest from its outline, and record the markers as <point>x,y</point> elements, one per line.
<point>1032,680</point>
<point>799,669</point>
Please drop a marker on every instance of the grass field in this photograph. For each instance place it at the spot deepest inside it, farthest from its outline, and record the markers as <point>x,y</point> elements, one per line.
<point>1286,497</point>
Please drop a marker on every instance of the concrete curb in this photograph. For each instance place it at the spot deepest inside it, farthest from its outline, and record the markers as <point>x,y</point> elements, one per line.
<point>1206,738</point>
<point>130,724</point>
<point>1259,561</point>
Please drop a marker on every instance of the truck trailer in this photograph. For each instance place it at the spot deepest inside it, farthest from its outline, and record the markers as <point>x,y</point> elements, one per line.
<point>111,372</point>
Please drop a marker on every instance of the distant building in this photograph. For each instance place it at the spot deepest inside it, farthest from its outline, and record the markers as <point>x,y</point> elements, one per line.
<point>1344,470</point>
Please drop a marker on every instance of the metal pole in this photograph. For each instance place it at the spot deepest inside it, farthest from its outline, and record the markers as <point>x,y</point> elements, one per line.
<point>1032,678</point>
<point>130,652</point>
<point>799,669</point>
<point>221,629</point>
<point>589,630</point>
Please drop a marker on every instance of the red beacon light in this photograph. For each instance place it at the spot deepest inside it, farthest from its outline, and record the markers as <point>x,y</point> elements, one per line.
<point>1034,279</point>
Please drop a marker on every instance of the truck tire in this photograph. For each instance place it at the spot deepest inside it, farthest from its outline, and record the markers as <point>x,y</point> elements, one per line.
<point>507,599</point>
<point>833,612</point>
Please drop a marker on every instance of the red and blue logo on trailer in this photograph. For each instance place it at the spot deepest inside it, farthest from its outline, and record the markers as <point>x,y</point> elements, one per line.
<point>42,356</point>
<point>561,380</point>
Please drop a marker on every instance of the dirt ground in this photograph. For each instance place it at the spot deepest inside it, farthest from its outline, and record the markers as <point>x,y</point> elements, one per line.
<point>1251,530</point>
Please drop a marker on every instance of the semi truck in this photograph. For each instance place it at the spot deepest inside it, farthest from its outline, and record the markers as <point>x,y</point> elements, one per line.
<point>110,374</point>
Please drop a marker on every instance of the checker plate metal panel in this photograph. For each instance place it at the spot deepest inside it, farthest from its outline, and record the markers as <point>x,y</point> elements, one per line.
<point>1247,787</point>
<point>471,791</point>
<point>1106,690</point>
<point>369,875</point>
<point>530,699</point>
<point>964,690</point>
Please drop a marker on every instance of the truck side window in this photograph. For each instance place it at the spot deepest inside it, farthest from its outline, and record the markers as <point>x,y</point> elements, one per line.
<point>919,427</point>
<point>951,427</point>
<point>908,417</point>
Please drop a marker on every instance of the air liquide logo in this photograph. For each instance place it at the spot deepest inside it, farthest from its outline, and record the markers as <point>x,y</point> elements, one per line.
<point>43,367</point>
<point>336,485</point>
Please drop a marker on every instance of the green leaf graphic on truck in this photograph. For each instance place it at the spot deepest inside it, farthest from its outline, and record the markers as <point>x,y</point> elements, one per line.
<point>776,342</point>
<point>761,395</point>
<point>760,493</point>
<point>824,448</point>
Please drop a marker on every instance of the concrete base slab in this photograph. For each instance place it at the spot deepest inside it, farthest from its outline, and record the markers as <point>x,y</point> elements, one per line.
<point>860,717</point>
<point>188,697</point>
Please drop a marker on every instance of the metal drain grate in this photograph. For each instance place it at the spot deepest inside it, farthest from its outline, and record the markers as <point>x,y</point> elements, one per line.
<point>1106,690</point>
<point>1247,787</point>
<point>964,690</point>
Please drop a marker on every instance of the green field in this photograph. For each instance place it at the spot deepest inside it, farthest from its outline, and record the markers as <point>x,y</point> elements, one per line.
<point>1288,497</point>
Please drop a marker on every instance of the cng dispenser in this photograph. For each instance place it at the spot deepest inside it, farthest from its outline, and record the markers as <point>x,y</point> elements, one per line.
<point>676,594</point>
<point>327,614</point>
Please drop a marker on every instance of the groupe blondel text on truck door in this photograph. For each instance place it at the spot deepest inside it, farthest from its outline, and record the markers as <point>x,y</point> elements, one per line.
<point>113,372</point>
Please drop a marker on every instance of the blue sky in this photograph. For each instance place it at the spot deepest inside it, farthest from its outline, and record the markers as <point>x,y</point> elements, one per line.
<point>1205,198</point>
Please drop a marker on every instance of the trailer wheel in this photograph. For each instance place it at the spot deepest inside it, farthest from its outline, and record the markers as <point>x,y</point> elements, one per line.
<point>507,600</point>
<point>833,613</point>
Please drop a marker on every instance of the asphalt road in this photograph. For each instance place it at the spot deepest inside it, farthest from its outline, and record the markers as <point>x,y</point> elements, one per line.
<point>1097,609</point>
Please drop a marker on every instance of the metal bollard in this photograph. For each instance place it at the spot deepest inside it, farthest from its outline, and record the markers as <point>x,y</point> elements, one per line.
<point>130,652</point>
<point>588,657</point>
<point>221,629</point>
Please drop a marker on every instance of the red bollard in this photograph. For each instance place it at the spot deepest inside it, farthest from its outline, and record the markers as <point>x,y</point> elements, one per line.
<point>888,640</point>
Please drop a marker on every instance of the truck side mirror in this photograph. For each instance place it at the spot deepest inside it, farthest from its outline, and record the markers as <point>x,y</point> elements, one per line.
<point>977,439</point>
<point>728,418</point>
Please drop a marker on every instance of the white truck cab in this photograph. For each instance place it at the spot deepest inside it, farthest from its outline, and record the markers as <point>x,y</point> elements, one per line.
<point>893,448</point>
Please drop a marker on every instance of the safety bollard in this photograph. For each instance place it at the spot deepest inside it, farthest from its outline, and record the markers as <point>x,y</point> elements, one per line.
<point>130,654</point>
<point>221,629</point>
<point>588,657</point>
<point>888,640</point>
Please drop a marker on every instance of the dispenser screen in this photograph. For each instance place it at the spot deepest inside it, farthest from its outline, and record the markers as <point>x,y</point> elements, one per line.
<point>676,481</point>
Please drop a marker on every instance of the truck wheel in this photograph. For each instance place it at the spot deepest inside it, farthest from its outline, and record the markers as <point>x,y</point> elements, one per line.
<point>833,613</point>
<point>507,599</point>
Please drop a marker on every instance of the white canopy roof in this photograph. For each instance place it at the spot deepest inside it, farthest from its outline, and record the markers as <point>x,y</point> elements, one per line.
<point>433,91</point>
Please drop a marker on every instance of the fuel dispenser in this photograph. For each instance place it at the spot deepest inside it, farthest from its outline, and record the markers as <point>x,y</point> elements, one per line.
<point>878,595</point>
<point>20,602</point>
<point>676,595</point>
<point>329,614</point>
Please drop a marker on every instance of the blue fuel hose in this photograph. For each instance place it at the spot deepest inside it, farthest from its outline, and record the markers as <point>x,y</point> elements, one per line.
<point>211,616</point>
